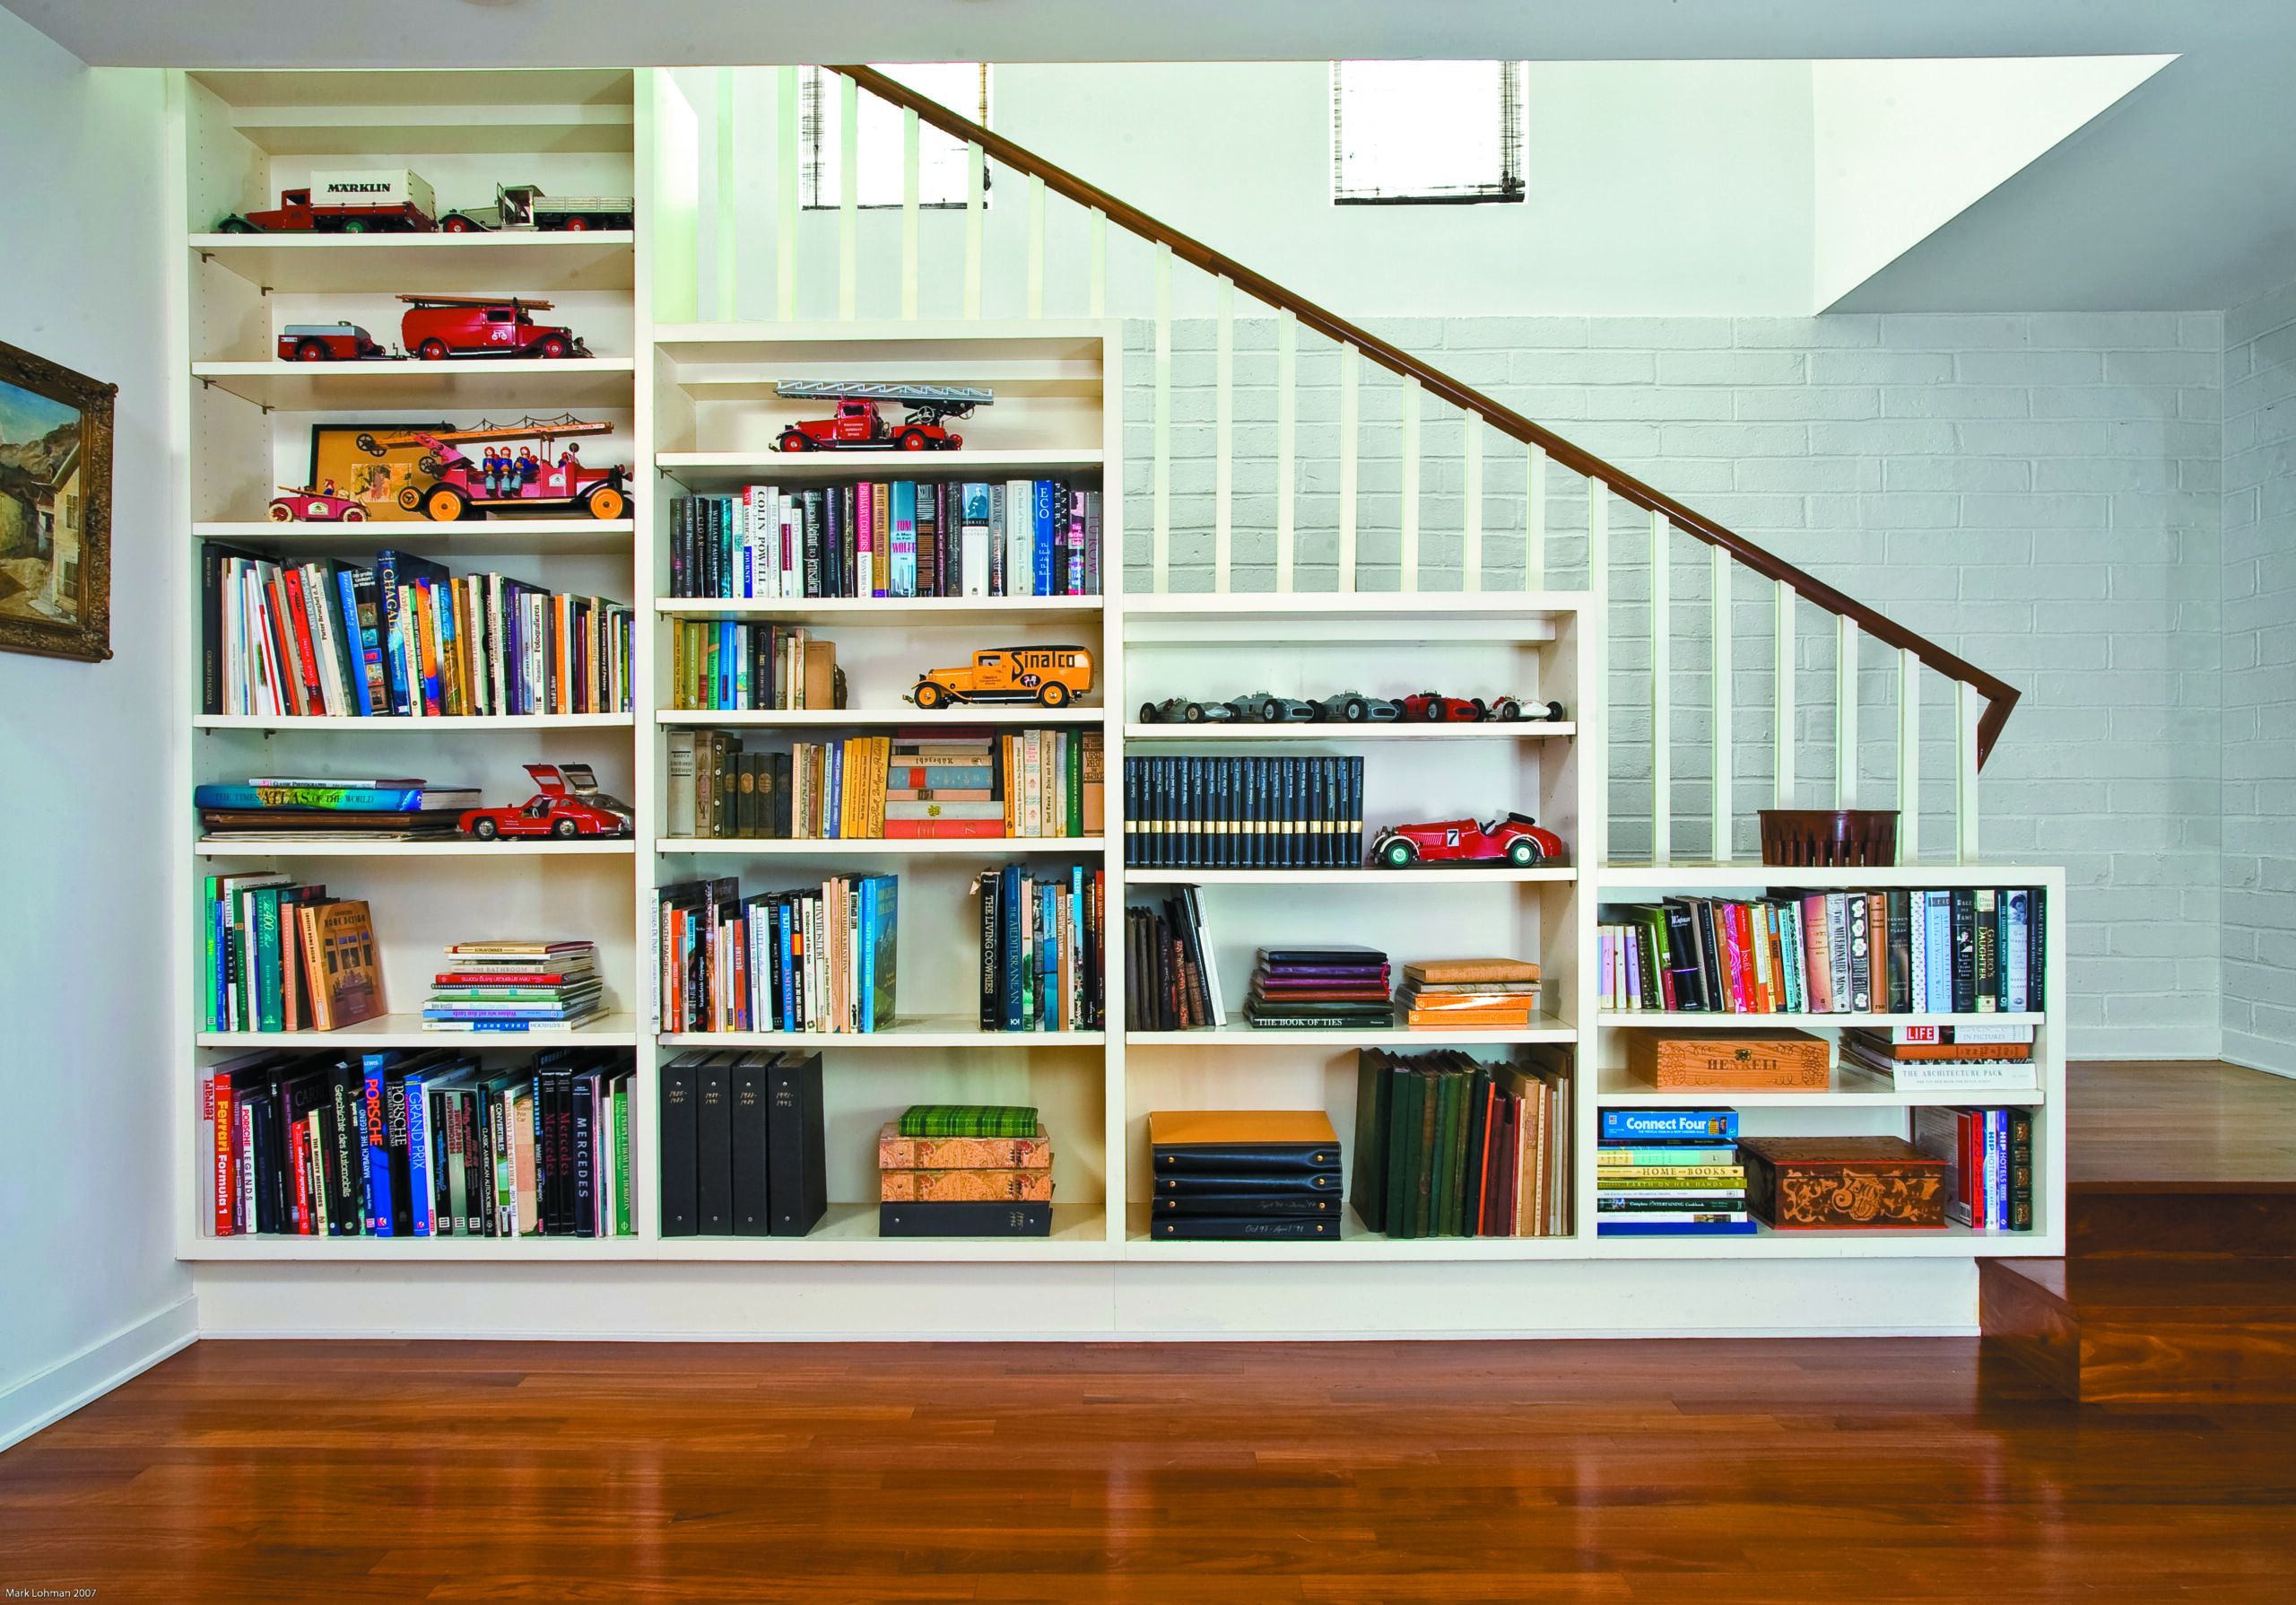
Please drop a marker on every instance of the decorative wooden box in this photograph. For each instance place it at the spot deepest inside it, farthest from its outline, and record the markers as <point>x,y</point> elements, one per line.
<point>1728,1060</point>
<point>1843,1183</point>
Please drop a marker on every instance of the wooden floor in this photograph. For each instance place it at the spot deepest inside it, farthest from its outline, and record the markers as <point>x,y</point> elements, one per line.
<point>2191,1122</point>
<point>1709,1472</point>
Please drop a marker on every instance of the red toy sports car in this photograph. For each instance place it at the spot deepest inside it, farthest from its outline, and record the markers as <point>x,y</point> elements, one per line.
<point>568,805</point>
<point>1434,708</point>
<point>1513,839</point>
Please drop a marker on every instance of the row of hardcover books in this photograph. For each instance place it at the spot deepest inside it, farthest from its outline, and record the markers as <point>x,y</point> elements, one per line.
<point>1249,812</point>
<point>1174,984</point>
<point>403,639</point>
<point>1670,1172</point>
<point>1042,947</point>
<point>399,1143</point>
<point>911,786</point>
<point>1966,950</point>
<point>730,666</point>
<point>277,954</point>
<point>745,1152</point>
<point>1988,1155</point>
<point>822,958</point>
<point>903,538</point>
<point>1447,1146</point>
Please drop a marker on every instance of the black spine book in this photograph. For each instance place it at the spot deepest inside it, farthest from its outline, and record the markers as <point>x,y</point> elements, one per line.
<point>1900,950</point>
<point>1305,1183</point>
<point>1964,937</point>
<point>681,1208</point>
<point>583,1117</point>
<point>394,1151</point>
<point>992,994</point>
<point>971,1219</point>
<point>1221,1228</point>
<point>1278,1207</point>
<point>750,1214</point>
<point>796,1146</point>
<point>713,1146</point>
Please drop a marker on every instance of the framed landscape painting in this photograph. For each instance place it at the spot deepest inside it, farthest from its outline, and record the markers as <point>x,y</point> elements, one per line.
<point>56,432</point>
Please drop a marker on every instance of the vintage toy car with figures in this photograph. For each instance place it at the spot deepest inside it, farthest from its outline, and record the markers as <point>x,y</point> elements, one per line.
<point>856,425</point>
<point>501,480</point>
<point>326,343</point>
<point>437,327</point>
<point>1053,677</point>
<point>1353,708</point>
<point>568,805</point>
<point>1513,839</point>
<point>393,201</point>
<point>525,207</point>
<point>1183,711</point>
<point>302,503</point>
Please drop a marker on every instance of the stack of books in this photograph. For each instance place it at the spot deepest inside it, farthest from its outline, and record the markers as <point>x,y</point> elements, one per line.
<point>1175,982</point>
<point>1978,1058</point>
<point>1447,1147</point>
<point>745,1149</point>
<point>1244,1174</point>
<point>277,955</point>
<point>823,958</point>
<point>515,987</point>
<point>1469,994</point>
<point>303,808</point>
<point>964,1171</point>
<point>1041,955</point>
<point>1320,989</point>
<point>1670,1172</point>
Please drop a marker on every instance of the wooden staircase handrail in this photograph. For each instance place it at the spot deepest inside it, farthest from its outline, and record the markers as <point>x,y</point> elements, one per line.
<point>2000,696</point>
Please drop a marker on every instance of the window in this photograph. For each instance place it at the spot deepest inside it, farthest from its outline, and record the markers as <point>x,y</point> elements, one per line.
<point>963,86</point>
<point>1426,131</point>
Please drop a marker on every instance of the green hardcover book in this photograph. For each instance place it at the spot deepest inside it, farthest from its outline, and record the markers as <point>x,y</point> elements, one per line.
<point>271,1012</point>
<point>1478,1135</point>
<point>1072,783</point>
<point>1454,1150</point>
<point>1374,1087</point>
<point>208,1020</point>
<point>1425,1168</point>
<point>622,1226</point>
<point>1407,1099</point>
<point>1438,1153</point>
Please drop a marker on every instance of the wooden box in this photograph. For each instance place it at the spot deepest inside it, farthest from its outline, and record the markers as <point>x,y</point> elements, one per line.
<point>1728,1060</point>
<point>1843,1183</point>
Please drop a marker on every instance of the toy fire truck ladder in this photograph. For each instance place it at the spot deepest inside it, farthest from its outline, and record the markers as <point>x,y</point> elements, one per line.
<point>926,404</point>
<point>486,432</point>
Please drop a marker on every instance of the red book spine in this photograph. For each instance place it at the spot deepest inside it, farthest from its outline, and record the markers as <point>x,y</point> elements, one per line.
<point>483,978</point>
<point>221,1110</point>
<point>307,656</point>
<point>970,830</point>
<point>299,1216</point>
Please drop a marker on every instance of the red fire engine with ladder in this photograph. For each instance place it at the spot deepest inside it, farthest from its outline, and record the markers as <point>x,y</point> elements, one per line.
<point>858,426</point>
<point>464,490</point>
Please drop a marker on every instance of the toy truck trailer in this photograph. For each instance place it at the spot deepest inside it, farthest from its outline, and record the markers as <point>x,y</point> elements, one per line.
<point>525,207</point>
<point>391,200</point>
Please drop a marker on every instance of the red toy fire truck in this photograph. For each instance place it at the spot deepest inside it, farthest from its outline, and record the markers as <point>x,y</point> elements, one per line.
<point>437,327</point>
<point>858,426</point>
<point>568,805</point>
<point>350,203</point>
<point>507,480</point>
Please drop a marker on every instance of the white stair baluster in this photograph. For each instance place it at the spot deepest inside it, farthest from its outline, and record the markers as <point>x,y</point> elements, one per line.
<point>1661,703</point>
<point>909,269</point>
<point>785,167</point>
<point>1407,573</point>
<point>1534,520</point>
<point>1471,531</point>
<point>1347,467</point>
<point>1909,758</point>
<point>1223,439</point>
<point>1724,737</point>
<point>1287,428</point>
<point>1845,713</point>
<point>1781,729</point>
<point>848,197</point>
<point>976,224</point>
<point>1096,291</point>
<point>1967,709</point>
<point>1161,550</point>
<point>1036,247</point>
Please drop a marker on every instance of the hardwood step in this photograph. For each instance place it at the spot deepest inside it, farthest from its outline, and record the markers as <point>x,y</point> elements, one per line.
<point>2224,1218</point>
<point>2147,1329</point>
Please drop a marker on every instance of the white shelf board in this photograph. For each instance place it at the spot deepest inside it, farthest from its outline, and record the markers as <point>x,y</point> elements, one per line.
<point>1354,1243</point>
<point>1617,1089</point>
<point>923,1031</point>
<point>1729,877</point>
<point>801,719</point>
<point>897,612</point>
<point>1206,618</point>
<point>1238,1033</point>
<point>509,721</point>
<point>850,1231</point>
<point>1396,731</point>
<point>1951,1243</point>
<point>410,1251</point>
<point>534,383</point>
<point>815,847</point>
<point>1387,879</point>
<point>546,538</point>
<point>525,262</point>
<point>1011,463</point>
<point>405,1031</point>
<point>454,847</point>
<point>1661,1019</point>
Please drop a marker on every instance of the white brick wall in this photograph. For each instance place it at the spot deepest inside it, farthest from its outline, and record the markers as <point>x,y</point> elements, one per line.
<point>2042,495</point>
<point>2259,575</point>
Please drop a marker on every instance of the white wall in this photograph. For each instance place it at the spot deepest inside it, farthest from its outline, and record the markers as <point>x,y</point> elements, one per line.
<point>2259,798</point>
<point>88,1286</point>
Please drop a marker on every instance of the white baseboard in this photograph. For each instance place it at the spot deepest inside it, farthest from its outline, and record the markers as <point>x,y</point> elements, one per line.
<point>48,1397</point>
<point>2261,1053</point>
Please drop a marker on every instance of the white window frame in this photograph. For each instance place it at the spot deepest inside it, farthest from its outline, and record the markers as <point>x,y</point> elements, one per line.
<point>820,131</point>
<point>1506,186</point>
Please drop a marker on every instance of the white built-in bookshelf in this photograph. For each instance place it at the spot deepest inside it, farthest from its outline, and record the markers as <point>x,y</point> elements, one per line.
<point>695,411</point>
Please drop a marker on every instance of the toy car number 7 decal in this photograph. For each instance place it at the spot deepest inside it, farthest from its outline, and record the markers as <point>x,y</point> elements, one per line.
<point>1450,838</point>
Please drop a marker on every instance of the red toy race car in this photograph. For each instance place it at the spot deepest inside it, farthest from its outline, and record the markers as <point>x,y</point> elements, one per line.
<point>316,507</point>
<point>568,805</point>
<point>1512,839</point>
<point>858,426</point>
<point>437,327</point>
<point>1434,708</point>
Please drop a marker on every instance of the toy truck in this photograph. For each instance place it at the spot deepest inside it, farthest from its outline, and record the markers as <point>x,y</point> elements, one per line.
<point>388,201</point>
<point>1054,677</point>
<point>857,426</point>
<point>561,484</point>
<point>326,343</point>
<point>437,327</point>
<point>525,207</point>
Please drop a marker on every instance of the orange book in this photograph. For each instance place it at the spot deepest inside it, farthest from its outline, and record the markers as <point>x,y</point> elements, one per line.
<point>964,1186</point>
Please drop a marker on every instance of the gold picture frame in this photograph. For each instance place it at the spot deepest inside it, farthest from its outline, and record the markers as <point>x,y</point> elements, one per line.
<point>56,447</point>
